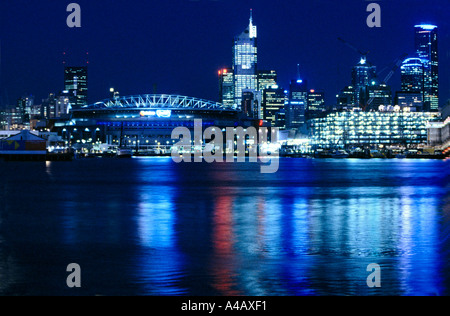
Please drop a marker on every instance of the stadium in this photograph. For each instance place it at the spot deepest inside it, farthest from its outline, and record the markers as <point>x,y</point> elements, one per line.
<point>144,122</point>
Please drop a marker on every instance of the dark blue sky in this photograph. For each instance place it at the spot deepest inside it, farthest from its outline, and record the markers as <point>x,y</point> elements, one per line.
<point>181,44</point>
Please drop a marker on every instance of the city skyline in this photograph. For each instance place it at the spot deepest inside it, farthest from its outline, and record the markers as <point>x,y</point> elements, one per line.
<point>125,78</point>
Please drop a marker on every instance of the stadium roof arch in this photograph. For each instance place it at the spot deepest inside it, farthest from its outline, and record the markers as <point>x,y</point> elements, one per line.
<point>157,102</point>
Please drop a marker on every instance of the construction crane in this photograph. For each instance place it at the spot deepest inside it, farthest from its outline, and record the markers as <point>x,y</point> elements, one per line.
<point>388,77</point>
<point>362,53</point>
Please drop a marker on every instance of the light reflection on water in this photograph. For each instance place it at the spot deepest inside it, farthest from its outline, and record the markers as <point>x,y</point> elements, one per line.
<point>153,227</point>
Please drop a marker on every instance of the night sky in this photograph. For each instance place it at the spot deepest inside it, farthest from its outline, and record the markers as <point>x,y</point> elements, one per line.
<point>179,45</point>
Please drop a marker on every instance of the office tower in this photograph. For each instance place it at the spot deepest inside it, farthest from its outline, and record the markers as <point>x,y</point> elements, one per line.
<point>63,104</point>
<point>380,97</point>
<point>296,105</point>
<point>426,44</point>
<point>245,61</point>
<point>48,106</point>
<point>23,110</point>
<point>3,119</point>
<point>266,79</point>
<point>280,119</point>
<point>249,104</point>
<point>273,102</point>
<point>410,101</point>
<point>316,104</point>
<point>75,82</point>
<point>226,87</point>
<point>346,98</point>
<point>362,76</point>
<point>413,75</point>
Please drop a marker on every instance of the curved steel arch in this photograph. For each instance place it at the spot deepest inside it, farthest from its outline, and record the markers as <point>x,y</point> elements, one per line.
<point>158,101</point>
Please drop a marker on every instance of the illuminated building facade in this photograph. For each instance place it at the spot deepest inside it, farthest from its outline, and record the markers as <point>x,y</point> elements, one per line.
<point>380,95</point>
<point>413,75</point>
<point>316,104</point>
<point>358,128</point>
<point>363,75</point>
<point>75,82</point>
<point>274,99</point>
<point>145,121</point>
<point>266,79</point>
<point>346,98</point>
<point>411,100</point>
<point>296,104</point>
<point>245,60</point>
<point>226,87</point>
<point>426,44</point>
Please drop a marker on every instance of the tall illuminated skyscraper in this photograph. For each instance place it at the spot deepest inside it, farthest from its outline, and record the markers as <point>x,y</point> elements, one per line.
<point>75,82</point>
<point>245,61</point>
<point>296,105</point>
<point>362,76</point>
<point>412,72</point>
<point>426,43</point>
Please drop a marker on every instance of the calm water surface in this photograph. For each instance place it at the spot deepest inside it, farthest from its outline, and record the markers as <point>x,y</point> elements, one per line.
<point>153,227</point>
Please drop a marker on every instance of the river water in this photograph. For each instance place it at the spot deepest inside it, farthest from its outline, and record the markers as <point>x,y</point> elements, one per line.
<point>149,226</point>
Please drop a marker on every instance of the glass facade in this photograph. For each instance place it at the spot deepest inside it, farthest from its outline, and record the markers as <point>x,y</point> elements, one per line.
<point>426,43</point>
<point>316,104</point>
<point>245,60</point>
<point>297,103</point>
<point>273,102</point>
<point>380,95</point>
<point>362,76</point>
<point>266,79</point>
<point>75,82</point>
<point>412,75</point>
<point>344,129</point>
<point>226,87</point>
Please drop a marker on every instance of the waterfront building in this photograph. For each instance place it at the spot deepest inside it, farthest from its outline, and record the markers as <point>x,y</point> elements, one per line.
<point>426,45</point>
<point>76,83</point>
<point>360,129</point>
<point>145,122</point>
<point>245,60</point>
<point>226,87</point>
<point>439,136</point>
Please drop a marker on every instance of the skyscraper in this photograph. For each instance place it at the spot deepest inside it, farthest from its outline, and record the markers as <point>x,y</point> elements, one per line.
<point>426,44</point>
<point>266,79</point>
<point>362,76</point>
<point>412,75</point>
<point>380,95</point>
<point>75,82</point>
<point>226,87</point>
<point>245,61</point>
<point>273,102</point>
<point>296,105</point>
<point>316,104</point>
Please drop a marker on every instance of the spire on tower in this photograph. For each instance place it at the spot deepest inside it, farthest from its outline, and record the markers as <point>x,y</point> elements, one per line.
<point>251,27</point>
